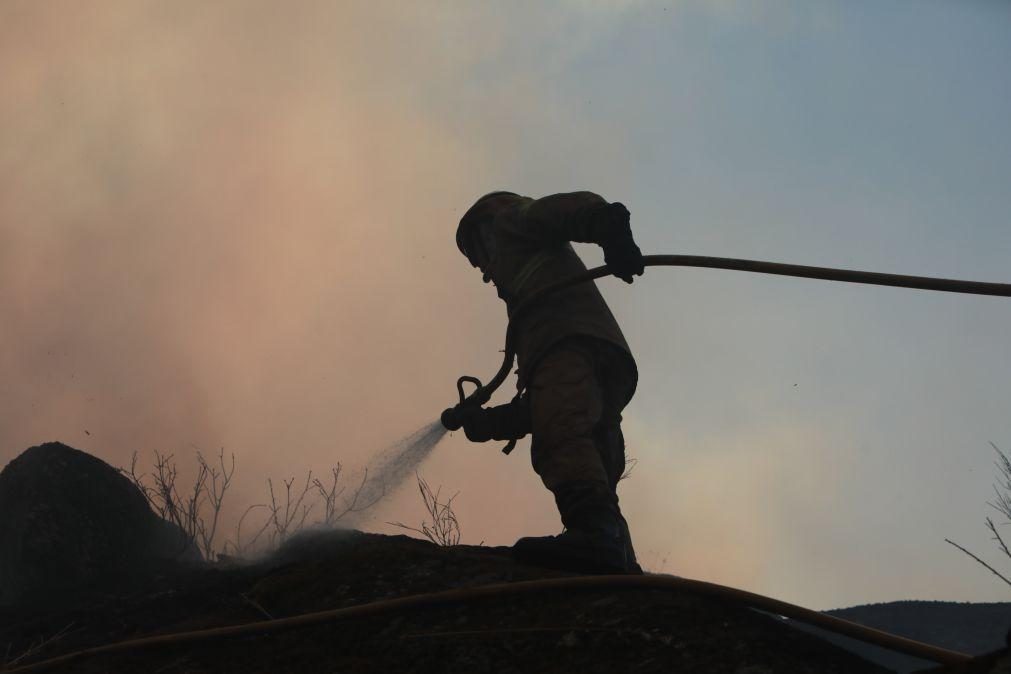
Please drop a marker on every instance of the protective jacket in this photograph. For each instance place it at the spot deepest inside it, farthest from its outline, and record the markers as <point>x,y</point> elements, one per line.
<point>527,245</point>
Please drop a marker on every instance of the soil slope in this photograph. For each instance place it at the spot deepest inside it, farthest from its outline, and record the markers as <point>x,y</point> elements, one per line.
<point>587,631</point>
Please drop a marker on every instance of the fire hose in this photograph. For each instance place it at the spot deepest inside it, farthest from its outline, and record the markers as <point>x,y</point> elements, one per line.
<point>471,595</point>
<point>452,418</point>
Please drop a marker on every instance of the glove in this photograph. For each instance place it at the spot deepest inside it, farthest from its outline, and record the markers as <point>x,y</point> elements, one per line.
<point>620,252</point>
<point>505,422</point>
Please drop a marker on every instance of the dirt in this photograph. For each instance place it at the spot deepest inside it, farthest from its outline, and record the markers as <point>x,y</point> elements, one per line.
<point>588,631</point>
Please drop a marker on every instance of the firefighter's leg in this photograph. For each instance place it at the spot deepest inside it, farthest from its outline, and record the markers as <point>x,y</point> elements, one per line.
<point>567,406</point>
<point>617,376</point>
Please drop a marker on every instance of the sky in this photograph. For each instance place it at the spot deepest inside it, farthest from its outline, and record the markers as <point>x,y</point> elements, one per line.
<point>231,225</point>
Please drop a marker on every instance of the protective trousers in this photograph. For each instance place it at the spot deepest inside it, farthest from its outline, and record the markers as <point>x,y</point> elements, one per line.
<point>577,392</point>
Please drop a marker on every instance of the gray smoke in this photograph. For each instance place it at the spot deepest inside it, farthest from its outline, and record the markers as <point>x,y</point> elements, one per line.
<point>396,463</point>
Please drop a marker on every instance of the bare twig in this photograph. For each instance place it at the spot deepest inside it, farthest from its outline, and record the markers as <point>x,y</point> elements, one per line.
<point>138,481</point>
<point>162,495</point>
<point>330,495</point>
<point>630,465</point>
<point>1003,502</point>
<point>997,537</point>
<point>36,647</point>
<point>160,489</point>
<point>197,513</point>
<point>215,496</point>
<point>290,517</point>
<point>993,570</point>
<point>256,605</point>
<point>333,512</point>
<point>444,528</point>
<point>237,546</point>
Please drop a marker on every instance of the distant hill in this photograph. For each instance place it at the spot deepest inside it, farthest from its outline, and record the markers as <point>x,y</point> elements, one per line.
<point>969,628</point>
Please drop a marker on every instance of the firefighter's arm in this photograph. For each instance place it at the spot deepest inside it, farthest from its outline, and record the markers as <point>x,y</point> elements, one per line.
<point>504,422</point>
<point>586,217</point>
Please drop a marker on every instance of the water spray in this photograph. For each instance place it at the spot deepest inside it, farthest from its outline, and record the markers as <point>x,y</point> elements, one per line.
<point>395,464</point>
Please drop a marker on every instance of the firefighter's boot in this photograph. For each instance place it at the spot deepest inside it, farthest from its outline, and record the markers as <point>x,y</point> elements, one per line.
<point>595,539</point>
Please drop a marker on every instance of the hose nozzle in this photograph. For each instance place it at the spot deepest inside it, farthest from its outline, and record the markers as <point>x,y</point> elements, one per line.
<point>452,417</point>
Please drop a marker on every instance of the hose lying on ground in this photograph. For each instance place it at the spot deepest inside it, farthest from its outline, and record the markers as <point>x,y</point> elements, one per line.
<point>491,592</point>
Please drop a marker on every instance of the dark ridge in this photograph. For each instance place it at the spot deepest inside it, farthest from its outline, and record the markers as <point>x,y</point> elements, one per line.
<point>591,631</point>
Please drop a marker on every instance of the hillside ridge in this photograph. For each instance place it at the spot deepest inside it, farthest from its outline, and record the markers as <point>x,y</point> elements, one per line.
<point>593,631</point>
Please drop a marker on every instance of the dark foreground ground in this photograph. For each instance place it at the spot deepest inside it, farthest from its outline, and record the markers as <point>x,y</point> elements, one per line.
<point>590,631</point>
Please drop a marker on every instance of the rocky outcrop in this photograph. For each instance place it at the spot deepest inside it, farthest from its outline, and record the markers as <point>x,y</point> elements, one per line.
<point>71,522</point>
